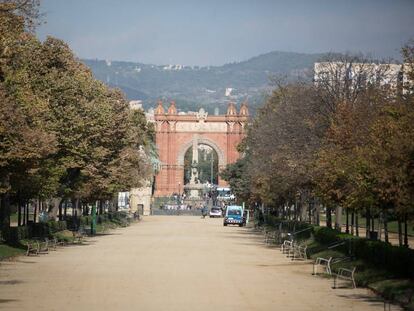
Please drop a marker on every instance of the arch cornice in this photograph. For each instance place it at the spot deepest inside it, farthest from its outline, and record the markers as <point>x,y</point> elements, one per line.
<point>202,141</point>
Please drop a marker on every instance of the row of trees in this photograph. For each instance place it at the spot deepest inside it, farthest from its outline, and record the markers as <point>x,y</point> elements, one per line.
<point>344,142</point>
<point>64,136</point>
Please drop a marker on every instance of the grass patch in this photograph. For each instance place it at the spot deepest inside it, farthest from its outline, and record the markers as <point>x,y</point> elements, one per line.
<point>7,251</point>
<point>392,225</point>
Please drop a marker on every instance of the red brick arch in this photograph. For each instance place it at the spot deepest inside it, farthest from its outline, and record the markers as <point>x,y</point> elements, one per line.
<point>175,134</point>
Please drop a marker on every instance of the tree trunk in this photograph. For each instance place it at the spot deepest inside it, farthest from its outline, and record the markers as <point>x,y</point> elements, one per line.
<point>53,208</point>
<point>5,205</point>
<point>338,218</point>
<point>400,241</point>
<point>352,222</point>
<point>24,213</point>
<point>347,221</point>
<point>405,231</point>
<point>356,224</point>
<point>385,220</point>
<point>65,210</point>
<point>27,212</point>
<point>19,214</point>
<point>5,212</point>
<point>100,207</point>
<point>373,223</point>
<point>368,223</point>
<point>85,209</point>
<point>61,210</point>
<point>317,211</point>
<point>328,217</point>
<point>36,206</point>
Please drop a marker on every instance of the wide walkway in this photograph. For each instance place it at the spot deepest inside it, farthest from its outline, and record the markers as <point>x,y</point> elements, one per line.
<point>172,263</point>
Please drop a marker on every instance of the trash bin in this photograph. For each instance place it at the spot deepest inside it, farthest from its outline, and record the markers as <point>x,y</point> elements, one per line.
<point>373,235</point>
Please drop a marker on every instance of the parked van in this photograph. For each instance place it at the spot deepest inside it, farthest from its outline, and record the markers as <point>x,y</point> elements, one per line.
<point>234,215</point>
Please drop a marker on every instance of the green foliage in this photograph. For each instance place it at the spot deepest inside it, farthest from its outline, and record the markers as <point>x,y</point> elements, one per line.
<point>16,234</point>
<point>7,251</point>
<point>238,178</point>
<point>398,260</point>
<point>63,133</point>
<point>326,235</point>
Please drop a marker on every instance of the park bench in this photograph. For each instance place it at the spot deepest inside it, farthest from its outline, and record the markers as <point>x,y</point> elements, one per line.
<point>43,247</point>
<point>270,236</point>
<point>58,243</point>
<point>287,246</point>
<point>78,236</point>
<point>51,243</point>
<point>54,243</point>
<point>346,275</point>
<point>32,248</point>
<point>299,252</point>
<point>320,261</point>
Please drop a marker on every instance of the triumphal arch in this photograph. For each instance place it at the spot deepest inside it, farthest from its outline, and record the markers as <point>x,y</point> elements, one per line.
<point>177,132</point>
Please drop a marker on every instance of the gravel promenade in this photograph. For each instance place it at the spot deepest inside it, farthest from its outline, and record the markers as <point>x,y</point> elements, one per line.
<point>172,263</point>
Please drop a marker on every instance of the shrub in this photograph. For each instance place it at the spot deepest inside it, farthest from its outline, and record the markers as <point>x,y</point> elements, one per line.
<point>325,235</point>
<point>399,260</point>
<point>16,234</point>
<point>46,229</point>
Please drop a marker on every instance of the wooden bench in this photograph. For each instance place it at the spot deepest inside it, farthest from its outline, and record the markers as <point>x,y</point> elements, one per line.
<point>32,248</point>
<point>299,252</point>
<point>345,274</point>
<point>320,261</point>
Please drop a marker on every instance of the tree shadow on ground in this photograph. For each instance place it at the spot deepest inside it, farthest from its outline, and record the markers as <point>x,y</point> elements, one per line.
<point>7,300</point>
<point>11,282</point>
<point>373,300</point>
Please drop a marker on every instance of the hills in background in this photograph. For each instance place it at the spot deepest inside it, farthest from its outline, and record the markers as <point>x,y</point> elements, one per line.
<point>193,87</point>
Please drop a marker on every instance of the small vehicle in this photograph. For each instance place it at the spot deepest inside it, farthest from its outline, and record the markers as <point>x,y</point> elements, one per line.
<point>234,216</point>
<point>224,194</point>
<point>215,212</point>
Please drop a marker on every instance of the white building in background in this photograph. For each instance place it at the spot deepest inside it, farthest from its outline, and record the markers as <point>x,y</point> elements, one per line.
<point>135,104</point>
<point>356,74</point>
<point>228,91</point>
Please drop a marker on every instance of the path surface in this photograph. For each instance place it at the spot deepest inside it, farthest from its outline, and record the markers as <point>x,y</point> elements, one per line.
<point>172,263</point>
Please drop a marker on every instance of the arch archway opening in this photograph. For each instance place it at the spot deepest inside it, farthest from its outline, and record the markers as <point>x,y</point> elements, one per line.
<point>207,166</point>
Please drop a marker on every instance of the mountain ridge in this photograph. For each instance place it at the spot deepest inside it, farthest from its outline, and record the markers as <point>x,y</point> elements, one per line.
<point>193,87</point>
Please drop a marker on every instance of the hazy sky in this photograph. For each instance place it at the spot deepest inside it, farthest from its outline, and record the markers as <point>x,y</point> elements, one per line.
<point>214,32</point>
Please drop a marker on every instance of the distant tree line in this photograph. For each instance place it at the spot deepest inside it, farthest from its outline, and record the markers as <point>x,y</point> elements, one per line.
<point>344,144</point>
<point>64,136</point>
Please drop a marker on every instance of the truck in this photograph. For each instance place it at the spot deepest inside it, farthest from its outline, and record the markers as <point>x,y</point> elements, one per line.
<point>234,216</point>
<point>224,194</point>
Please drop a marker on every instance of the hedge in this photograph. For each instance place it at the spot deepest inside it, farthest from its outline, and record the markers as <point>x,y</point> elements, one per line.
<point>16,234</point>
<point>396,259</point>
<point>45,229</point>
